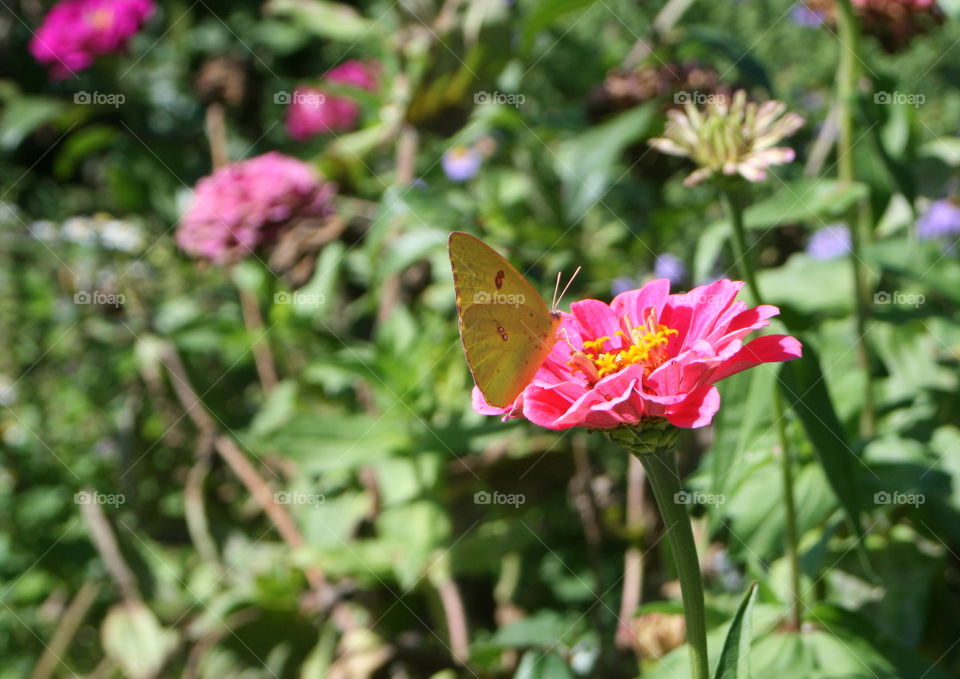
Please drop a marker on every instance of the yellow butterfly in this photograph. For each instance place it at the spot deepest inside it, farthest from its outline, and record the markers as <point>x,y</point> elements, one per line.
<point>506,328</point>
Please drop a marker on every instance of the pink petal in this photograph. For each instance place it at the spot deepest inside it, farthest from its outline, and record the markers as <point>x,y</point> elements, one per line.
<point>696,410</point>
<point>596,318</point>
<point>481,406</point>
<point>634,303</point>
<point>694,314</point>
<point>558,407</point>
<point>766,349</point>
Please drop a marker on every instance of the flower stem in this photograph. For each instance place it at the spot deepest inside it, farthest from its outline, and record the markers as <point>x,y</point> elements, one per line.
<point>661,470</point>
<point>654,444</point>
<point>735,212</point>
<point>847,72</point>
<point>745,264</point>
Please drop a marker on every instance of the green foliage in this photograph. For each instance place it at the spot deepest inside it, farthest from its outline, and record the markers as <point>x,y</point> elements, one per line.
<point>405,535</point>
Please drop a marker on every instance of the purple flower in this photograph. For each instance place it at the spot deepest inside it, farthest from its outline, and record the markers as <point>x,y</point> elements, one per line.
<point>248,204</point>
<point>312,111</point>
<point>622,284</point>
<point>803,15</point>
<point>942,220</point>
<point>829,242</point>
<point>670,267</point>
<point>75,32</point>
<point>461,163</point>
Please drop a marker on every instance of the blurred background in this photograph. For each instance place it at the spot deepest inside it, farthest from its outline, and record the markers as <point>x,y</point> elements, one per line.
<point>259,459</point>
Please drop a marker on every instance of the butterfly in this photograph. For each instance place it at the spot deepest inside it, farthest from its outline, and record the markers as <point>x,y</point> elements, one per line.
<point>506,328</point>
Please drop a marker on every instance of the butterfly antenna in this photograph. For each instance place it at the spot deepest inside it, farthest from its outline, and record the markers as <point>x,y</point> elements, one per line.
<point>567,286</point>
<point>556,287</point>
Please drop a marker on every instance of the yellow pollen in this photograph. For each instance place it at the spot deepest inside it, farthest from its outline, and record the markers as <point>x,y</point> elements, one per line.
<point>645,344</point>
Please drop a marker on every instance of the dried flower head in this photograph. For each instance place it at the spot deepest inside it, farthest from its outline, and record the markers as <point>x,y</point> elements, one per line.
<point>248,204</point>
<point>730,136</point>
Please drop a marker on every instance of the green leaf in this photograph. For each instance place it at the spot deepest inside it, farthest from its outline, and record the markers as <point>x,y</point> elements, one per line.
<point>950,7</point>
<point>332,20</point>
<point>544,629</point>
<point>81,144</point>
<point>802,383</point>
<point>331,441</point>
<point>788,285</point>
<point>537,665</point>
<point>134,640</point>
<point>805,200</point>
<point>23,115</point>
<point>586,163</point>
<point>946,149</point>
<point>735,657</point>
<point>545,13</point>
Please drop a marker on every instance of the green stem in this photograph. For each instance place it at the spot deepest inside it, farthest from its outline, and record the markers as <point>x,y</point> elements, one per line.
<point>739,239</point>
<point>790,512</point>
<point>661,470</point>
<point>858,216</point>
<point>745,264</point>
<point>654,444</point>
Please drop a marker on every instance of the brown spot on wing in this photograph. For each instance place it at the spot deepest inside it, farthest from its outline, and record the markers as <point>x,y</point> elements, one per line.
<point>498,281</point>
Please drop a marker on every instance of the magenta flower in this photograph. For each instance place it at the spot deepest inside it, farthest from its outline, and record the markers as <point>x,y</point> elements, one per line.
<point>245,205</point>
<point>648,354</point>
<point>312,111</point>
<point>75,32</point>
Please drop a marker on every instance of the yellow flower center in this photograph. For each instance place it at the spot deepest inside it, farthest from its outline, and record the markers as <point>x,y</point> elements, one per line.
<point>644,344</point>
<point>101,19</point>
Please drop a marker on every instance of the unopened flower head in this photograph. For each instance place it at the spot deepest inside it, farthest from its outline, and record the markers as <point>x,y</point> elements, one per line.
<point>730,136</point>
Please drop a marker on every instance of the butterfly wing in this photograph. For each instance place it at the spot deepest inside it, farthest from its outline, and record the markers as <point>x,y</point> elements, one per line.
<point>506,328</point>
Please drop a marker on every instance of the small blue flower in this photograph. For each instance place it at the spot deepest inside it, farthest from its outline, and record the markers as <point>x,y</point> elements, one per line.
<point>803,15</point>
<point>670,267</point>
<point>829,242</point>
<point>942,220</point>
<point>461,163</point>
<point>622,285</point>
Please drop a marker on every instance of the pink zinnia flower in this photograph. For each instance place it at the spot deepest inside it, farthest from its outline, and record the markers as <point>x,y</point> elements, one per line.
<point>648,354</point>
<point>313,111</point>
<point>75,32</point>
<point>247,204</point>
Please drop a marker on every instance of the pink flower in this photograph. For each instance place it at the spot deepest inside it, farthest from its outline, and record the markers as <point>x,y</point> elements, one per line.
<point>648,354</point>
<point>74,32</point>
<point>313,111</point>
<point>248,204</point>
